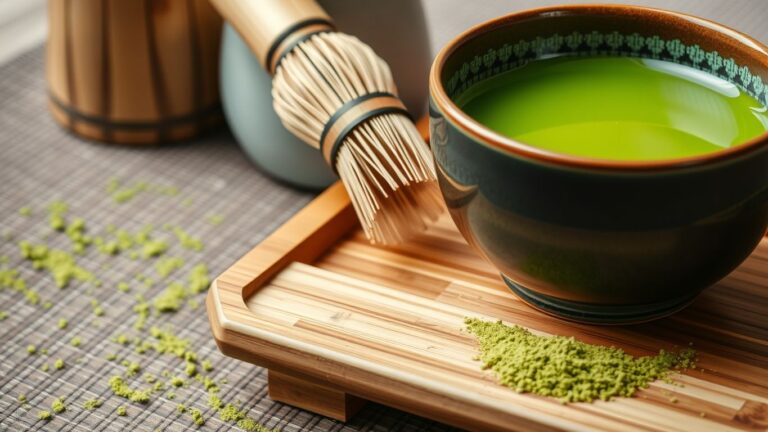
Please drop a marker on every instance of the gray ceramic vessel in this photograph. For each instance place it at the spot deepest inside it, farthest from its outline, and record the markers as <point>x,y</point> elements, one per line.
<point>396,30</point>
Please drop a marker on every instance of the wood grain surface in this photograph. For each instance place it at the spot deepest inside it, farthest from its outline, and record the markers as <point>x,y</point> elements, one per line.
<point>134,72</point>
<point>386,324</point>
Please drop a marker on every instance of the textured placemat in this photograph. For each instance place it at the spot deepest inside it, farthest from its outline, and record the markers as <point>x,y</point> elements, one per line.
<point>39,163</point>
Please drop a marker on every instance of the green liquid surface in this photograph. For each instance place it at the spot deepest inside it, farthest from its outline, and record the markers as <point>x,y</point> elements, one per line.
<point>616,108</point>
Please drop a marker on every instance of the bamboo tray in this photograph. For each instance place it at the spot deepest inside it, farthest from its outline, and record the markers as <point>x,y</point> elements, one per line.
<point>338,322</point>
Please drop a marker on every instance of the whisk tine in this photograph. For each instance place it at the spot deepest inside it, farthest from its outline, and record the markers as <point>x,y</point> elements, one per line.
<point>385,166</point>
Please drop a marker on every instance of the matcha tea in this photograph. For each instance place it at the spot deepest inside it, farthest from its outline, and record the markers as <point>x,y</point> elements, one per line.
<point>616,108</point>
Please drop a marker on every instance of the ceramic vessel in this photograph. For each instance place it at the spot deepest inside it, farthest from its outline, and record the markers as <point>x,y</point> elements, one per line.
<point>397,32</point>
<point>594,240</point>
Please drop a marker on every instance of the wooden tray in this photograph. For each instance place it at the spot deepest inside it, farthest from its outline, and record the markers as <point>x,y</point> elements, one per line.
<point>338,322</point>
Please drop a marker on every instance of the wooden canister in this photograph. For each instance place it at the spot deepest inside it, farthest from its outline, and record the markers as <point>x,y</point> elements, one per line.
<point>134,72</point>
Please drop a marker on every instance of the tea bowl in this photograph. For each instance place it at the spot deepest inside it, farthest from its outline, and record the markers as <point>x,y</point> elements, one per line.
<point>595,240</point>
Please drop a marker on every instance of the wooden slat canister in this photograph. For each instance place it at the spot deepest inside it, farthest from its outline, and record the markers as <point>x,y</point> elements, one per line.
<point>134,72</point>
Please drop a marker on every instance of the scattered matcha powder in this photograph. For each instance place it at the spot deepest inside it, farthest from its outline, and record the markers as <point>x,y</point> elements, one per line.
<point>75,341</point>
<point>123,193</point>
<point>76,233</point>
<point>96,307</point>
<point>64,269</point>
<point>25,211</point>
<point>197,416</point>
<point>153,248</point>
<point>190,369</point>
<point>198,279</point>
<point>132,369</point>
<point>111,356</point>
<point>209,384</point>
<point>167,265</point>
<point>22,398</point>
<point>60,264</point>
<point>169,343</point>
<point>9,278</point>
<point>565,368</point>
<point>3,315</point>
<point>230,413</point>
<point>120,388</point>
<point>171,299</point>
<point>44,367</point>
<point>149,378</point>
<point>33,297</point>
<point>113,184</point>
<point>91,404</point>
<point>107,247</point>
<point>59,364</point>
<point>167,190</point>
<point>144,346</point>
<point>56,211</point>
<point>123,287</point>
<point>181,408</point>
<point>214,219</point>
<point>122,339</point>
<point>44,415</point>
<point>31,349</point>
<point>250,425</point>
<point>58,405</point>
<point>186,240</point>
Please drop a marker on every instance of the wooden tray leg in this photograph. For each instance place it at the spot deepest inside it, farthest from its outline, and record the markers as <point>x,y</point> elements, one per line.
<point>313,396</point>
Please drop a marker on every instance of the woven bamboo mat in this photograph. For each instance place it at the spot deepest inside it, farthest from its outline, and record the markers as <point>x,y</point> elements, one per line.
<point>40,163</point>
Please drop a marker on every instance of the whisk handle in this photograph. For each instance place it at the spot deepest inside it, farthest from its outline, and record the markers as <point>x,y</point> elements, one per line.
<point>273,27</point>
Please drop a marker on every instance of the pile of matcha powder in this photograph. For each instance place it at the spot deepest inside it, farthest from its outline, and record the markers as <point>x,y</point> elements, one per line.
<point>567,369</point>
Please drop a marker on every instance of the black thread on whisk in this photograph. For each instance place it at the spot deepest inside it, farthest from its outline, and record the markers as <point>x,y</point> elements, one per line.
<point>296,43</point>
<point>356,122</point>
<point>289,31</point>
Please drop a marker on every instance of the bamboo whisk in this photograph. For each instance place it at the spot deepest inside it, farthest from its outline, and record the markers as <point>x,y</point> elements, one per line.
<point>332,91</point>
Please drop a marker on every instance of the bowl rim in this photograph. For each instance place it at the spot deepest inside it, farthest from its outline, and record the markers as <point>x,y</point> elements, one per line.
<point>513,147</point>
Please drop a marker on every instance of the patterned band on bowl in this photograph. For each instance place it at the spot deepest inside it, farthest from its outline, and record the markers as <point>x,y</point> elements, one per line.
<point>516,54</point>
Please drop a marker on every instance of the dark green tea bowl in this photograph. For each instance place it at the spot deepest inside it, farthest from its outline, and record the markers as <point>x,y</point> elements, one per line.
<point>595,240</point>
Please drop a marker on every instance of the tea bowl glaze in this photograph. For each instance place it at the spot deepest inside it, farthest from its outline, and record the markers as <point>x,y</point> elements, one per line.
<point>593,240</point>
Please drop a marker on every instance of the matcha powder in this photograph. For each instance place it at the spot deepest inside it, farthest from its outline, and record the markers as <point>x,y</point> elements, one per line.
<point>564,368</point>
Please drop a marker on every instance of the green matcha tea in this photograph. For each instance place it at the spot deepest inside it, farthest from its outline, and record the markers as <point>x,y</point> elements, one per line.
<point>616,108</point>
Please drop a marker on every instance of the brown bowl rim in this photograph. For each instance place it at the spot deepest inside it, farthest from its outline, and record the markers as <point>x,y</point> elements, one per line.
<point>513,147</point>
